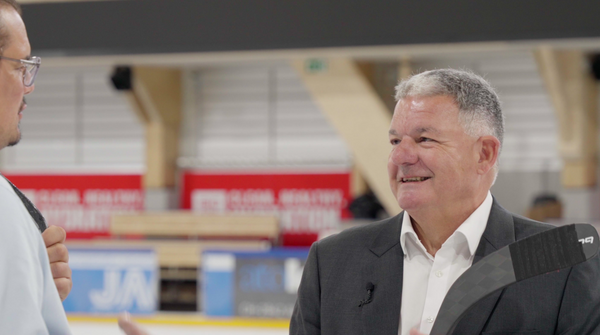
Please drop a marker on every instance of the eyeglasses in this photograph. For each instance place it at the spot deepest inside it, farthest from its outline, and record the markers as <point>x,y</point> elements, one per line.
<point>31,67</point>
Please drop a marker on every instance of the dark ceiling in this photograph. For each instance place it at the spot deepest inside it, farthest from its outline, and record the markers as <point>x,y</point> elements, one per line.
<point>166,26</point>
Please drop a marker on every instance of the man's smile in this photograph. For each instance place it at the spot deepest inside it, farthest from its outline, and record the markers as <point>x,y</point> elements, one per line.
<point>413,179</point>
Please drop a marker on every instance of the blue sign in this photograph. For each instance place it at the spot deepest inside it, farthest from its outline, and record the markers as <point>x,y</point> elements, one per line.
<point>251,284</point>
<point>113,281</point>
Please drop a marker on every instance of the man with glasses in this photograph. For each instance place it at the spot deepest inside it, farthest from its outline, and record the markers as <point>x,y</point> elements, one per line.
<point>33,266</point>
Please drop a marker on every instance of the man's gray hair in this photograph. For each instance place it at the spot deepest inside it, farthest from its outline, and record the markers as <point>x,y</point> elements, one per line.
<point>480,112</point>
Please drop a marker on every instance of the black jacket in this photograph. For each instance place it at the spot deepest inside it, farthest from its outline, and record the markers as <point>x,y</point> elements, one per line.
<point>339,267</point>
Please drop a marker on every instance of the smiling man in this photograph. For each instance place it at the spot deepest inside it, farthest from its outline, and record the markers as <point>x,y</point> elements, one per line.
<point>391,277</point>
<point>34,273</point>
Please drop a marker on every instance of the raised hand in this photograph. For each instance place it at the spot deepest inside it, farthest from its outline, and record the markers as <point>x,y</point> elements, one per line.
<point>54,238</point>
<point>129,327</point>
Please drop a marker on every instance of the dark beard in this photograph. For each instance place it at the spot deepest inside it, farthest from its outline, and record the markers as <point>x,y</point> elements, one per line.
<point>16,141</point>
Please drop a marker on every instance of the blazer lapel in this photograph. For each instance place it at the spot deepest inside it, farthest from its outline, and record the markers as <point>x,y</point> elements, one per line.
<point>498,233</point>
<point>382,315</point>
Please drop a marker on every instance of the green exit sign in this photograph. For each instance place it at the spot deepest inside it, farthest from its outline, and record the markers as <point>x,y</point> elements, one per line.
<point>316,65</point>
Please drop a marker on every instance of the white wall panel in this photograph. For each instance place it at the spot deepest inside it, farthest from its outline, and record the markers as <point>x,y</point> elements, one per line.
<point>76,122</point>
<point>101,152</point>
<point>250,115</point>
<point>260,116</point>
<point>264,115</point>
<point>233,151</point>
<point>29,153</point>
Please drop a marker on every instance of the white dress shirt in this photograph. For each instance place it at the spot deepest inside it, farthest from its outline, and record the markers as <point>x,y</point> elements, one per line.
<point>427,279</point>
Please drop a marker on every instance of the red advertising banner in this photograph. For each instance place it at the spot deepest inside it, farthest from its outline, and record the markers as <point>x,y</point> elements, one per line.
<point>82,204</point>
<point>305,203</point>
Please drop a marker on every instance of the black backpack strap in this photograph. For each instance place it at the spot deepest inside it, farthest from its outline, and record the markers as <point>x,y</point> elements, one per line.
<point>34,212</point>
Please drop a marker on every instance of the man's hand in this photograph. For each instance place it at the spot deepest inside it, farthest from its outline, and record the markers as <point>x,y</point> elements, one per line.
<point>129,326</point>
<point>415,332</point>
<point>54,238</point>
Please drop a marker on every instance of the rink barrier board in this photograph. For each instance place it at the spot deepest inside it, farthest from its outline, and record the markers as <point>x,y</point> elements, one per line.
<point>113,281</point>
<point>250,284</point>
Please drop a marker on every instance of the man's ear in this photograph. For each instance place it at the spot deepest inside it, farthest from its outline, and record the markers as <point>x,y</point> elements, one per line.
<point>489,149</point>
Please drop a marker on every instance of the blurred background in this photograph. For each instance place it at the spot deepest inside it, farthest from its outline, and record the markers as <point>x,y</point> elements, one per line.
<point>194,150</point>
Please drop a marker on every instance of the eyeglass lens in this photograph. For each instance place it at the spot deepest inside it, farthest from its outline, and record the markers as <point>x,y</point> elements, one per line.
<point>30,72</point>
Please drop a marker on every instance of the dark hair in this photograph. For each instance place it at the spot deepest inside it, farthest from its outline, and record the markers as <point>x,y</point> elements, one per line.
<point>3,31</point>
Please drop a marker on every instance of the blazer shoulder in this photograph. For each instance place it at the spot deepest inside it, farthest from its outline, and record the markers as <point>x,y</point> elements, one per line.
<point>525,227</point>
<point>363,235</point>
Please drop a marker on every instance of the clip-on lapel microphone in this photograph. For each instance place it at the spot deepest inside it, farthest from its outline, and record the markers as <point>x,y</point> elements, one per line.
<point>370,287</point>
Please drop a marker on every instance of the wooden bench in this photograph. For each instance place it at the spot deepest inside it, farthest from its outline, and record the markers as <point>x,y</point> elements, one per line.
<point>185,223</point>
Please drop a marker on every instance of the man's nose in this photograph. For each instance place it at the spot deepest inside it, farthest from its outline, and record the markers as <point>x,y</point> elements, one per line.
<point>29,89</point>
<point>405,152</point>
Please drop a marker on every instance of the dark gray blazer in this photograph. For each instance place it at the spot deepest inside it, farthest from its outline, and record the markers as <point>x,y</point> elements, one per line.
<point>339,267</point>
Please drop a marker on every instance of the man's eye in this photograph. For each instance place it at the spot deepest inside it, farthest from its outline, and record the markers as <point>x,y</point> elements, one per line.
<point>425,139</point>
<point>395,141</point>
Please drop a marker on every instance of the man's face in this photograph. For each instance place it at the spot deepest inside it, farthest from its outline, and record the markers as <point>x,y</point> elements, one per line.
<point>433,162</point>
<point>12,90</point>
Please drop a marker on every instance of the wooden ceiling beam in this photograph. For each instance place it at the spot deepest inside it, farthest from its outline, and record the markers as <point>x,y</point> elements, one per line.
<point>156,99</point>
<point>345,95</point>
<point>574,95</point>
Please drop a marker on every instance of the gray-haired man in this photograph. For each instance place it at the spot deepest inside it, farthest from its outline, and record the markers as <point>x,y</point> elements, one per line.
<point>445,136</point>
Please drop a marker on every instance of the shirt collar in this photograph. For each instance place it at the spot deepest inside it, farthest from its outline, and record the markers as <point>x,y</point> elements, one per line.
<point>471,230</point>
<point>409,236</point>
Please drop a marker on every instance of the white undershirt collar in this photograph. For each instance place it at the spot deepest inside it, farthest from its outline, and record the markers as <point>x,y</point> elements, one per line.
<point>470,230</point>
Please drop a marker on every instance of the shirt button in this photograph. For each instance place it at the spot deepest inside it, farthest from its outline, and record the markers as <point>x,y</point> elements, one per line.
<point>429,319</point>
<point>439,274</point>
